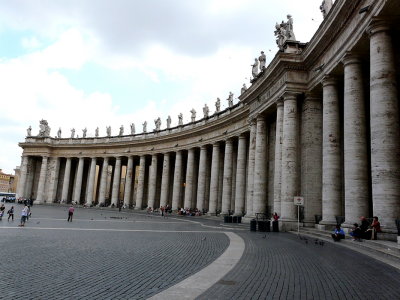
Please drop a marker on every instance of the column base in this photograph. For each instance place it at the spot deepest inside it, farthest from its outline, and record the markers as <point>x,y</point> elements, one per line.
<point>288,225</point>
<point>326,225</point>
<point>137,208</point>
<point>398,240</point>
<point>211,214</point>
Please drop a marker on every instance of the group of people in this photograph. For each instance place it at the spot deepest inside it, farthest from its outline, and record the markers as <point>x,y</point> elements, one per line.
<point>189,212</point>
<point>366,230</point>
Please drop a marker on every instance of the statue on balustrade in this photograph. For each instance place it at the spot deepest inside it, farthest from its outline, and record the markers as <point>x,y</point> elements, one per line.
<point>230,99</point>
<point>121,130</point>
<point>193,116</point>
<point>206,111</point>
<point>169,122</point>
<point>72,133</point>
<point>284,32</point>
<point>133,128</point>
<point>180,119</point>
<point>84,131</point>
<point>108,131</point>
<point>326,7</point>
<point>96,132</point>
<point>29,131</point>
<point>254,70</point>
<point>145,127</point>
<point>262,60</point>
<point>44,128</point>
<point>244,88</point>
<point>218,105</point>
<point>157,122</point>
<point>59,133</point>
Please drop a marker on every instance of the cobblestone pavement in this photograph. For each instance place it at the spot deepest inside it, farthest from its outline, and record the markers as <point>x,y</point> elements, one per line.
<point>110,255</point>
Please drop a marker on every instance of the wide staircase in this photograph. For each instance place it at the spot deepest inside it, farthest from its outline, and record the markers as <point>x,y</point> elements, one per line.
<point>385,251</point>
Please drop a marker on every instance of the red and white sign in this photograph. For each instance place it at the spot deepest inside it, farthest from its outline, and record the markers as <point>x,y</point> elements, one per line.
<point>298,200</point>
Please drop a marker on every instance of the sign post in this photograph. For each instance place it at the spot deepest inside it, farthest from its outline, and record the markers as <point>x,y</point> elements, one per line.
<point>298,201</point>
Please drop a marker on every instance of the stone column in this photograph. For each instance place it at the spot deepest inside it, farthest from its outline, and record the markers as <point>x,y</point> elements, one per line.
<point>67,177</point>
<point>385,128</point>
<point>103,182</point>
<point>78,181</point>
<point>54,168</point>
<point>128,182</point>
<point>176,192</point>
<point>165,181</point>
<point>356,192</point>
<point>42,180</point>
<point>311,156</point>
<point>278,157</point>
<point>201,190</point>
<point>116,182</point>
<point>227,181</point>
<point>152,181</point>
<point>289,187</point>
<point>240,189</point>
<point>250,169</point>
<point>214,180</point>
<point>140,188</point>
<point>22,180</point>
<point>92,173</point>
<point>189,179</point>
<point>331,153</point>
<point>260,168</point>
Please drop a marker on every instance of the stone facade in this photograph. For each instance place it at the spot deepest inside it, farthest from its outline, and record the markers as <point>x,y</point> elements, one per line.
<point>320,122</point>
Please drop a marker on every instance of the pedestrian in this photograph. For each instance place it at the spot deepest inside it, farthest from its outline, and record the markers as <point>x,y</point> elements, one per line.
<point>11,214</point>
<point>29,213</point>
<point>70,213</point>
<point>24,214</point>
<point>2,209</point>
<point>162,211</point>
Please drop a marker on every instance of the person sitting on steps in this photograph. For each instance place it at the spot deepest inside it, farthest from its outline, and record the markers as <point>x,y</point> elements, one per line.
<point>338,234</point>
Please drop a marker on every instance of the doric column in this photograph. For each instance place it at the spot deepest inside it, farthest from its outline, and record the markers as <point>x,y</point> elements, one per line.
<point>176,192</point>
<point>214,180</point>
<point>152,181</point>
<point>278,157</point>
<point>311,156</point>
<point>331,153</point>
<point>250,169</point>
<point>103,182</point>
<point>140,188</point>
<point>289,187</point>
<point>356,190</point>
<point>128,182</point>
<point>201,190</point>
<point>67,176</point>
<point>240,189</point>
<point>385,128</point>
<point>42,181</point>
<point>227,181</point>
<point>116,182</point>
<point>54,167</point>
<point>92,173</point>
<point>23,177</point>
<point>189,179</point>
<point>165,181</point>
<point>78,181</point>
<point>260,168</point>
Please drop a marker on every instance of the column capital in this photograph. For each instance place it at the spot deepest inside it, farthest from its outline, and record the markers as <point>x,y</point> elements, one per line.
<point>351,58</point>
<point>289,96</point>
<point>329,80</point>
<point>251,121</point>
<point>216,145</point>
<point>377,25</point>
<point>118,158</point>
<point>203,147</point>
<point>242,136</point>
<point>279,102</point>
<point>260,118</point>
<point>312,96</point>
<point>228,141</point>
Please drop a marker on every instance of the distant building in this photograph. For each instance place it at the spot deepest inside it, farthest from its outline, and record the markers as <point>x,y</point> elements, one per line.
<point>7,182</point>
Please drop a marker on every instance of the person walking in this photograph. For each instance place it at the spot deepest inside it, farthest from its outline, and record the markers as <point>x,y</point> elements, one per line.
<point>70,213</point>
<point>24,214</point>
<point>11,214</point>
<point>2,209</point>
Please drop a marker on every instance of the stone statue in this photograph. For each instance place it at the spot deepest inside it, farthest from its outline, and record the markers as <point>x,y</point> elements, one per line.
<point>289,29</point>
<point>180,119</point>
<point>96,132</point>
<point>44,130</point>
<point>59,133</point>
<point>133,128</point>
<point>284,32</point>
<point>218,105</point>
<point>326,7</point>
<point>84,131</point>
<point>29,131</point>
<point>169,122</point>
<point>108,131</point>
<point>262,60</point>
<point>280,36</point>
<point>230,99</point>
<point>121,130</point>
<point>244,88</point>
<point>145,127</point>
<point>206,111</point>
<point>157,122</point>
<point>254,70</point>
<point>193,116</point>
<point>72,133</point>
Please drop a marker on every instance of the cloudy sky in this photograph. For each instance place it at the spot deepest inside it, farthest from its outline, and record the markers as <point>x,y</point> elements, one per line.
<point>89,63</point>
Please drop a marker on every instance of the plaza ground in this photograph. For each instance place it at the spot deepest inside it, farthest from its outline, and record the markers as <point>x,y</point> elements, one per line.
<point>105,254</point>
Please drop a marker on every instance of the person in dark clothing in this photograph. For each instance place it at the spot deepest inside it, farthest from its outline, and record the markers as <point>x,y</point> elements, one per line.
<point>356,233</point>
<point>11,214</point>
<point>365,233</point>
<point>338,234</point>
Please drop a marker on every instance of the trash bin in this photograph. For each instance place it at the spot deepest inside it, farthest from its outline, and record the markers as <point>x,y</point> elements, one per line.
<point>234,219</point>
<point>253,225</point>
<point>275,226</point>
<point>239,219</point>
<point>262,226</point>
<point>227,219</point>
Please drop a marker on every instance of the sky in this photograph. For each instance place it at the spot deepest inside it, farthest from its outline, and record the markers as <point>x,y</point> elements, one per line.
<point>98,63</point>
